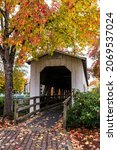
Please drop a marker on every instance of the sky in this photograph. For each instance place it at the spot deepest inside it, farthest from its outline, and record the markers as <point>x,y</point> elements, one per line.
<point>48,1</point>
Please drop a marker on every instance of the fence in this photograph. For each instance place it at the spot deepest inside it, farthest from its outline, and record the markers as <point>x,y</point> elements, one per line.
<point>24,104</point>
<point>46,103</point>
<point>66,105</point>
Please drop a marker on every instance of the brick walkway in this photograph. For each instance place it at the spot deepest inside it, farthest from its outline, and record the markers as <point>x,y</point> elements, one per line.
<point>39,133</point>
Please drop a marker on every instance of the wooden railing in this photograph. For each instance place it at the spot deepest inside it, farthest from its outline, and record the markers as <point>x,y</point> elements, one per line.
<point>66,105</point>
<point>43,102</point>
<point>24,104</point>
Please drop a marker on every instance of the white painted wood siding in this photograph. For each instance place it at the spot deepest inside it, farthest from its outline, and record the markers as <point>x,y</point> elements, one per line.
<point>78,80</point>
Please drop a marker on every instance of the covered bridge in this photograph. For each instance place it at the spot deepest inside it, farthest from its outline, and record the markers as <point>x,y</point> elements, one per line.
<point>58,74</point>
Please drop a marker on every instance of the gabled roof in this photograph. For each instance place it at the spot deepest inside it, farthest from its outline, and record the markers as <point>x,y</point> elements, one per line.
<point>84,60</point>
<point>60,52</point>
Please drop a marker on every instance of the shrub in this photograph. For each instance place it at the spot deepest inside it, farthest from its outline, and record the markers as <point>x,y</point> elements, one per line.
<point>1,101</point>
<point>1,105</point>
<point>85,111</point>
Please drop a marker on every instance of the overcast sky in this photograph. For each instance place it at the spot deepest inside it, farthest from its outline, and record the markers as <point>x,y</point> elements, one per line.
<point>48,1</point>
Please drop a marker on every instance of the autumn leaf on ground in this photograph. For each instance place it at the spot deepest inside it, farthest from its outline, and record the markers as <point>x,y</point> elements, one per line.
<point>86,139</point>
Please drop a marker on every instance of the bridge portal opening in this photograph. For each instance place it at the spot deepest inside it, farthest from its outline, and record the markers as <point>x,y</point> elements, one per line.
<point>55,82</point>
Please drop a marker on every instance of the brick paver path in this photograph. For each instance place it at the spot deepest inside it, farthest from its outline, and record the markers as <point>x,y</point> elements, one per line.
<point>39,133</point>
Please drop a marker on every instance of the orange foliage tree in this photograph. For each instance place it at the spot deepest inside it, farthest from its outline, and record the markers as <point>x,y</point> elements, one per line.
<point>21,22</point>
<point>94,54</point>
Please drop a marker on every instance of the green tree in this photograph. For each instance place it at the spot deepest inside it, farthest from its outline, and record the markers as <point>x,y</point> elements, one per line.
<point>74,23</point>
<point>2,82</point>
<point>19,80</point>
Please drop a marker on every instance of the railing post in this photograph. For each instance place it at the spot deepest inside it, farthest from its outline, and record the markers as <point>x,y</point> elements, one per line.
<point>34,104</point>
<point>47,101</point>
<point>72,96</point>
<point>15,111</point>
<point>66,106</point>
<point>64,115</point>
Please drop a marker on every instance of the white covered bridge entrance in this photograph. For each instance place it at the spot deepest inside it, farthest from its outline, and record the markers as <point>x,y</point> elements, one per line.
<point>52,80</point>
<point>57,75</point>
<point>56,80</point>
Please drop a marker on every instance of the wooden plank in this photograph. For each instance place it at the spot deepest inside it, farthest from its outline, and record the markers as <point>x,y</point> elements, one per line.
<point>26,107</point>
<point>49,99</point>
<point>26,99</point>
<point>15,112</point>
<point>17,108</point>
<point>67,100</point>
<point>64,116</point>
<point>34,104</point>
<point>50,106</point>
<point>66,106</point>
<point>27,115</point>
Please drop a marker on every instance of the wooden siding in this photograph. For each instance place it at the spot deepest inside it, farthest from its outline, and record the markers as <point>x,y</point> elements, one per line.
<point>73,64</point>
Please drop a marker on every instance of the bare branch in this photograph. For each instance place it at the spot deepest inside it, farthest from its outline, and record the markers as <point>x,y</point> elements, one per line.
<point>2,12</point>
<point>12,54</point>
<point>1,52</point>
<point>11,31</point>
<point>1,49</point>
<point>2,26</point>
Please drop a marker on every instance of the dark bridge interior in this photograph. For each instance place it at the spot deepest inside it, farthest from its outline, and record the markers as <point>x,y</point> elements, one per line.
<point>55,82</point>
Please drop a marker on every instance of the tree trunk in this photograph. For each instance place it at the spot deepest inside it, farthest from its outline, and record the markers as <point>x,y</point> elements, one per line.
<point>8,56</point>
<point>8,68</point>
<point>7,53</point>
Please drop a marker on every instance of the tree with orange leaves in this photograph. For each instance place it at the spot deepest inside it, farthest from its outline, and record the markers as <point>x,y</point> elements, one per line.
<point>94,54</point>
<point>21,22</point>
